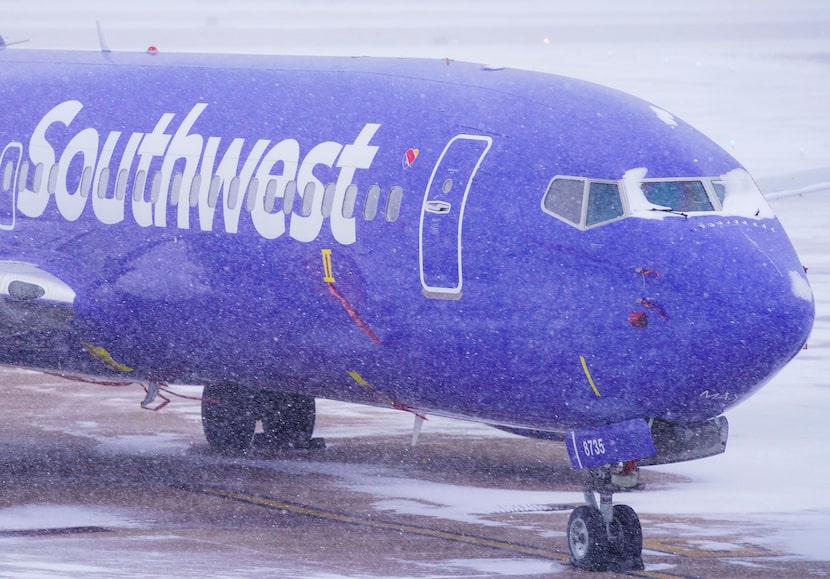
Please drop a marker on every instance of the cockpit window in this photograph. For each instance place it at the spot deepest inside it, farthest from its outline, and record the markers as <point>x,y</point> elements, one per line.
<point>684,196</point>
<point>582,202</point>
<point>564,198</point>
<point>720,190</point>
<point>585,203</point>
<point>604,203</point>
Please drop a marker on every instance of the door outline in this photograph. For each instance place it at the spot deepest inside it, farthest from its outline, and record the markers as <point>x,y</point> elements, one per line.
<point>8,213</point>
<point>444,210</point>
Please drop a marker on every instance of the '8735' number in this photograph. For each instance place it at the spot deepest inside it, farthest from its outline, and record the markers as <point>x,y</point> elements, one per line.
<point>593,447</point>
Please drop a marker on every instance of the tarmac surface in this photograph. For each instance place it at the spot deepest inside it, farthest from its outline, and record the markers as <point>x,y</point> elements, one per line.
<point>93,486</point>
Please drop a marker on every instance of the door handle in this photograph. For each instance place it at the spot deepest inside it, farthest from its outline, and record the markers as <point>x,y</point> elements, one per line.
<point>438,207</point>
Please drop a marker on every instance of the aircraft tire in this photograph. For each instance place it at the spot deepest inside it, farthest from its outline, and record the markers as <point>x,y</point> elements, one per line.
<point>287,419</point>
<point>588,544</point>
<point>627,543</point>
<point>228,418</point>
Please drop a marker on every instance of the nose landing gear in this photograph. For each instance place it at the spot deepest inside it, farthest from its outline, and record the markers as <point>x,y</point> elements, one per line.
<point>606,537</point>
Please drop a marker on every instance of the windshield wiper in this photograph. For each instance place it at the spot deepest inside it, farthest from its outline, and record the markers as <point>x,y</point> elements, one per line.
<point>670,210</point>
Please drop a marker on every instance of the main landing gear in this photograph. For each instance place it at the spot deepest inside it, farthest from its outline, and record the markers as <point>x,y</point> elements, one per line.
<point>606,537</point>
<point>230,414</point>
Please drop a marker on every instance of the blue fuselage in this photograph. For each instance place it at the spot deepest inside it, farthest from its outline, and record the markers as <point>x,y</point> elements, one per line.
<point>374,230</point>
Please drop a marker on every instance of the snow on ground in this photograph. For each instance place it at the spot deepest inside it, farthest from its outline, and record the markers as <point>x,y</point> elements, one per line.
<point>61,516</point>
<point>752,75</point>
<point>497,567</point>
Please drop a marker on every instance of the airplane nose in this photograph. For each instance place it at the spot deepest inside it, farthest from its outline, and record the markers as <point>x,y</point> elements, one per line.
<point>738,310</point>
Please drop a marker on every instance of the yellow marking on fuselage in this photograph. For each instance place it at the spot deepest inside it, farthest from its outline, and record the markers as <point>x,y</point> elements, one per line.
<point>329,275</point>
<point>359,379</point>
<point>104,356</point>
<point>588,375</point>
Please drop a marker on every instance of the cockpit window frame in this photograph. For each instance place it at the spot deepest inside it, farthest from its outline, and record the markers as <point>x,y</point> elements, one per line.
<point>586,191</point>
<point>719,195</point>
<point>708,186</point>
<point>563,208</point>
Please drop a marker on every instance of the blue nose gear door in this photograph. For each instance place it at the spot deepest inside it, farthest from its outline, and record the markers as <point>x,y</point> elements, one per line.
<point>9,166</point>
<point>442,215</point>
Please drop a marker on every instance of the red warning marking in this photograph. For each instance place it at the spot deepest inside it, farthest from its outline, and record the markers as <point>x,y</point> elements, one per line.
<point>156,387</point>
<point>638,319</point>
<point>353,314</point>
<point>396,405</point>
<point>648,272</point>
<point>653,306</point>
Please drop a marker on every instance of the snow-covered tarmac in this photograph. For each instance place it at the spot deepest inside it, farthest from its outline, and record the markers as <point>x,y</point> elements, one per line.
<point>755,76</point>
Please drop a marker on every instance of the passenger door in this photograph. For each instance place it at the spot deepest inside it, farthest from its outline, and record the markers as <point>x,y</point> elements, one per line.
<point>442,215</point>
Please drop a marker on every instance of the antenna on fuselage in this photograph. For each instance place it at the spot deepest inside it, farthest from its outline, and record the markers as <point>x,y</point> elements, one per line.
<point>101,40</point>
<point>416,428</point>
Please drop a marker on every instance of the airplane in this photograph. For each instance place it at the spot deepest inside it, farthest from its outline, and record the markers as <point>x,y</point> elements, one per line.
<point>542,254</point>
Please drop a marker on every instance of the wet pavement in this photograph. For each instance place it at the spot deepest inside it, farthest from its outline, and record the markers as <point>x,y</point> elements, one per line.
<point>93,486</point>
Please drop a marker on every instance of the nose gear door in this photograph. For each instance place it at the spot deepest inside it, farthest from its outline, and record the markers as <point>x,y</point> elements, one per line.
<point>442,215</point>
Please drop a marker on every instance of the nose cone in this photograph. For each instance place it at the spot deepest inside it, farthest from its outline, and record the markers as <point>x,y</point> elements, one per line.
<point>739,307</point>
